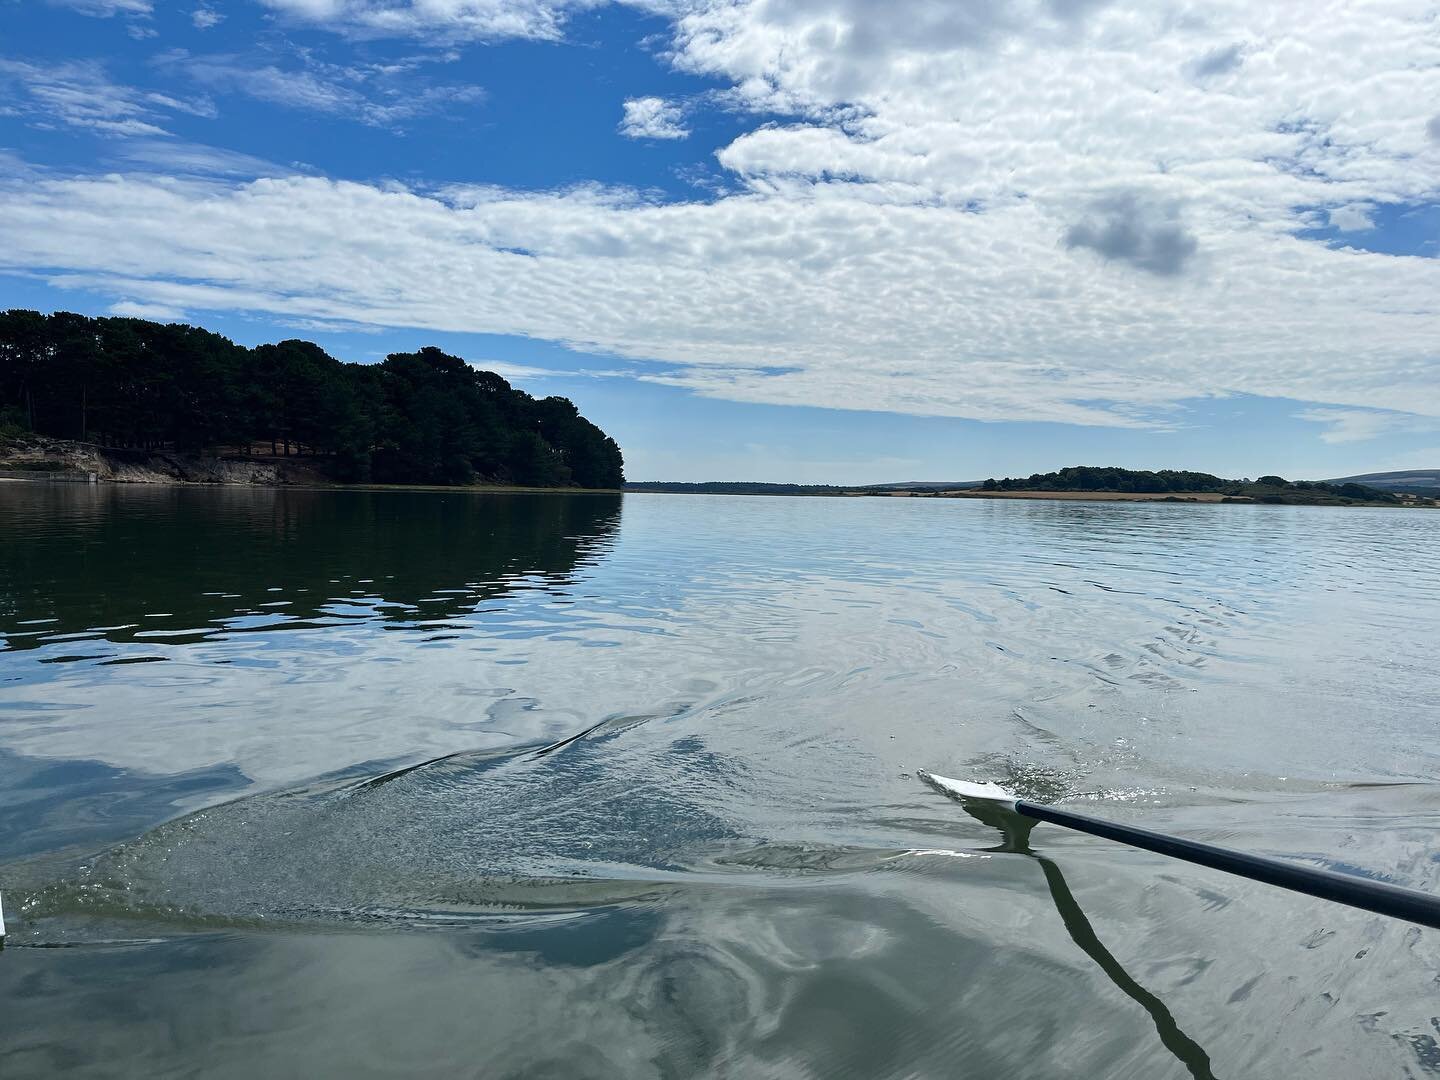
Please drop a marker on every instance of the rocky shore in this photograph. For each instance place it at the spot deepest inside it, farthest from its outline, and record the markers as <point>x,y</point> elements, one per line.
<point>36,457</point>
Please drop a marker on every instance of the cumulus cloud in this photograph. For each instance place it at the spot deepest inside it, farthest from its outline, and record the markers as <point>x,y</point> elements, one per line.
<point>1352,218</point>
<point>828,300</point>
<point>815,55</point>
<point>1432,128</point>
<point>1128,230</point>
<point>652,118</point>
<point>205,17</point>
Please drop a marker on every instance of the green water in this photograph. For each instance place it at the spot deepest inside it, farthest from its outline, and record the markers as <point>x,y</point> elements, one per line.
<point>372,784</point>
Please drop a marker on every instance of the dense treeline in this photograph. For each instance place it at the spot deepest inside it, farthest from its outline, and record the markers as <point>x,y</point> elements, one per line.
<point>422,417</point>
<point>1109,478</point>
<point>1095,478</point>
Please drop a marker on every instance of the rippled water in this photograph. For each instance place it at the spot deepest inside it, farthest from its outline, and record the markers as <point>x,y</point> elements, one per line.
<point>310,783</point>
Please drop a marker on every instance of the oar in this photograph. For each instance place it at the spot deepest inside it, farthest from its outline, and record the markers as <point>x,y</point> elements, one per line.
<point>1358,892</point>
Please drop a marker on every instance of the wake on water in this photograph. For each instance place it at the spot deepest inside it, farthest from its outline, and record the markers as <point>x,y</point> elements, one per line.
<point>598,819</point>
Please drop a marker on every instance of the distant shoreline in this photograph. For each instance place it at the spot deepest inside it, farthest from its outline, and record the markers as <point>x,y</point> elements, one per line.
<point>1206,497</point>
<point>961,493</point>
<point>57,460</point>
<point>1089,483</point>
<point>1062,496</point>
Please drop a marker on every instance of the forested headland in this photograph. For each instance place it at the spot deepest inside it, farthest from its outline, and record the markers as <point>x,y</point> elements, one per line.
<point>421,418</point>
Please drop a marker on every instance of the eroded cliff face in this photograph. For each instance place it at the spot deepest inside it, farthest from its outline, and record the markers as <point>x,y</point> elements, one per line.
<point>39,457</point>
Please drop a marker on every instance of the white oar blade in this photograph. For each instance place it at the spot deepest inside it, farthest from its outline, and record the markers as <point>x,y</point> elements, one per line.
<point>971,791</point>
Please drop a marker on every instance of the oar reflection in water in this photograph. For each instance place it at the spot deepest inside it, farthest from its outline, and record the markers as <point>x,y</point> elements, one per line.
<point>1016,832</point>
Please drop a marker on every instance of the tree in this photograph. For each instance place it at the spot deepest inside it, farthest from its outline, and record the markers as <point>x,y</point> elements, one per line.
<point>534,462</point>
<point>24,350</point>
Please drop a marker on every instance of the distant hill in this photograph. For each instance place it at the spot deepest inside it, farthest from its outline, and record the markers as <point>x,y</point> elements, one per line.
<point>1414,481</point>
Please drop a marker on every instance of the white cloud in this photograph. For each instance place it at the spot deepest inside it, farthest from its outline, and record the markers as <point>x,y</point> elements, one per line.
<point>829,300</point>
<point>814,55</point>
<point>1084,213</point>
<point>105,9</point>
<point>205,17</point>
<point>189,159</point>
<point>509,371</point>
<point>1358,425</point>
<point>331,326</point>
<point>653,118</point>
<point>159,312</point>
<point>442,19</point>
<point>79,94</point>
<point>526,372</point>
<point>380,96</point>
<point>297,89</point>
<point>1352,218</point>
<point>13,165</point>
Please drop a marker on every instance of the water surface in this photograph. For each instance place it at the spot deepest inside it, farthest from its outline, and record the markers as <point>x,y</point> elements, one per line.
<point>307,783</point>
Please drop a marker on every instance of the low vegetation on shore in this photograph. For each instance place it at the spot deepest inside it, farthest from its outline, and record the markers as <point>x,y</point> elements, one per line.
<point>1266,489</point>
<point>136,391</point>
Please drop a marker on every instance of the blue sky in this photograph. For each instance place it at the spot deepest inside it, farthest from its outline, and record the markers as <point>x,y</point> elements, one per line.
<point>810,240</point>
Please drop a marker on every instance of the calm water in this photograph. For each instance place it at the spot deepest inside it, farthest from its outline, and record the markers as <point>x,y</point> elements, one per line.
<point>300,784</point>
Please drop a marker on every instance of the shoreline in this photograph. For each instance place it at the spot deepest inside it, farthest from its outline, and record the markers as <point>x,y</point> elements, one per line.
<point>39,459</point>
<point>475,489</point>
<point>45,460</point>
<point>1196,498</point>
<point>1212,498</point>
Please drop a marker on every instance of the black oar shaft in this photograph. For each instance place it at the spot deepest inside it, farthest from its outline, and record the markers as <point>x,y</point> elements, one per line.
<point>1376,896</point>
